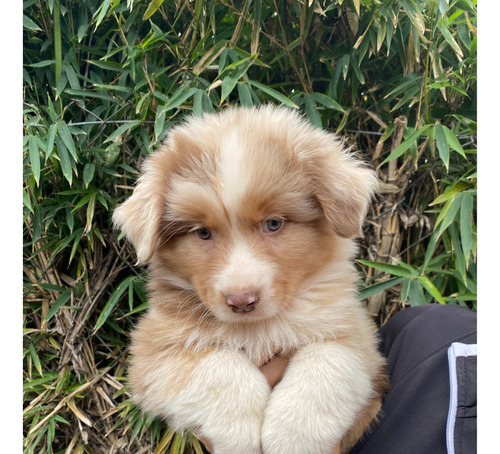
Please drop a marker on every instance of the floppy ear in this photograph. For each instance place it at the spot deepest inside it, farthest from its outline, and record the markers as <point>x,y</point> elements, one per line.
<point>140,215</point>
<point>343,185</point>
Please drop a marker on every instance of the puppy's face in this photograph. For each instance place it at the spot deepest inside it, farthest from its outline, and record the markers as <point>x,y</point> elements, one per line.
<point>244,208</point>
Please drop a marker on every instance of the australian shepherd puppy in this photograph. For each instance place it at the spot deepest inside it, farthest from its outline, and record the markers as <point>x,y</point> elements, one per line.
<point>246,219</point>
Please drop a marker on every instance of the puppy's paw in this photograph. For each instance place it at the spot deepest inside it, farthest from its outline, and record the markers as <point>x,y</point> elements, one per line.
<point>224,403</point>
<point>290,430</point>
<point>322,392</point>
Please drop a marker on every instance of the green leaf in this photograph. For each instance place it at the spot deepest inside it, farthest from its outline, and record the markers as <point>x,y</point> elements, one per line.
<point>228,85</point>
<point>152,8</point>
<point>391,269</point>
<point>448,212</point>
<point>64,159</point>
<point>159,122</point>
<point>244,95</point>
<point>60,301</point>
<point>35,358</point>
<point>273,94</point>
<point>450,192</point>
<point>50,140</point>
<point>466,222</point>
<point>416,293</point>
<point>402,148</point>
<point>453,141</point>
<point>379,287</point>
<point>414,14</point>
<point>122,130</point>
<point>443,6</point>
<point>429,286</point>
<point>312,112</point>
<point>442,145</point>
<point>113,300</point>
<point>326,101</point>
<point>34,154</point>
<point>88,173</point>
<point>198,103</point>
<point>179,97</point>
<point>101,12</point>
<point>67,138</point>
<point>27,202</point>
<point>29,24</point>
<point>450,40</point>
<point>458,253</point>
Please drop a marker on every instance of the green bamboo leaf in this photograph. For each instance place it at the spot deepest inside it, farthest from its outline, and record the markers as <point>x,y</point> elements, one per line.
<point>442,145</point>
<point>56,305</point>
<point>357,70</point>
<point>401,149</point>
<point>101,12</point>
<point>67,138</point>
<point>28,24</point>
<point>429,286</point>
<point>416,293</point>
<point>244,94</point>
<point>42,64</point>
<point>198,103</point>
<point>90,212</point>
<point>450,192</point>
<point>159,122</point>
<point>35,358</point>
<point>448,212</point>
<point>88,173</point>
<point>27,202</point>
<point>311,111</point>
<point>180,97</point>
<point>466,222</point>
<point>49,148</point>
<point>396,270</point>
<point>34,154</point>
<point>72,77</point>
<point>228,85</point>
<point>453,141</point>
<point>113,300</point>
<point>458,253</point>
<point>405,290</point>
<point>122,130</point>
<point>152,8</point>
<point>443,6</point>
<point>450,40</point>
<point>326,101</point>
<point>178,443</point>
<point>379,287</point>
<point>273,94</point>
<point>64,159</point>
<point>344,64</point>
<point>414,14</point>
<point>357,6</point>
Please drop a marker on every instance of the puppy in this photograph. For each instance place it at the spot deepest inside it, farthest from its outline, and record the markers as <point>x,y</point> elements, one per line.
<point>246,220</point>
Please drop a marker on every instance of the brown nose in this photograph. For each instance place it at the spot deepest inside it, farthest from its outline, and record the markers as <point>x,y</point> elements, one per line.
<point>243,301</point>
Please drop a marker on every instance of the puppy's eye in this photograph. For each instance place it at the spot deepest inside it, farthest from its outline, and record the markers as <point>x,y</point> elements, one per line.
<point>273,225</point>
<point>203,233</point>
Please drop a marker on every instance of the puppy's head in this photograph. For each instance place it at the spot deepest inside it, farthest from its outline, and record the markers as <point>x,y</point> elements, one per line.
<point>242,209</point>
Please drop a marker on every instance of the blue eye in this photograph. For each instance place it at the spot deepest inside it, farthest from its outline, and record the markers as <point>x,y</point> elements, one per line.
<point>203,234</point>
<point>273,225</point>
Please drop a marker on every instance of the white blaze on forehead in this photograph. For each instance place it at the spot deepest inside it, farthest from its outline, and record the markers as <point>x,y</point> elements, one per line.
<point>234,174</point>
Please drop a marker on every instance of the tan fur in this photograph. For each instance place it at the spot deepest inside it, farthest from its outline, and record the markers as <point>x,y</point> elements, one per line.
<point>230,173</point>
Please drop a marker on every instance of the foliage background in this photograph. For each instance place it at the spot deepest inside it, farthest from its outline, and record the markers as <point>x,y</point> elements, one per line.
<point>103,83</point>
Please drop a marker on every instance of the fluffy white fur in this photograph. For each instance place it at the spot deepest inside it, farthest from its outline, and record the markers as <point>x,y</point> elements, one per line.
<point>200,217</point>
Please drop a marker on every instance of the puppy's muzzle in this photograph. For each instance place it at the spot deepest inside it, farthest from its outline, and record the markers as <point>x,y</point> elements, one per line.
<point>243,302</point>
